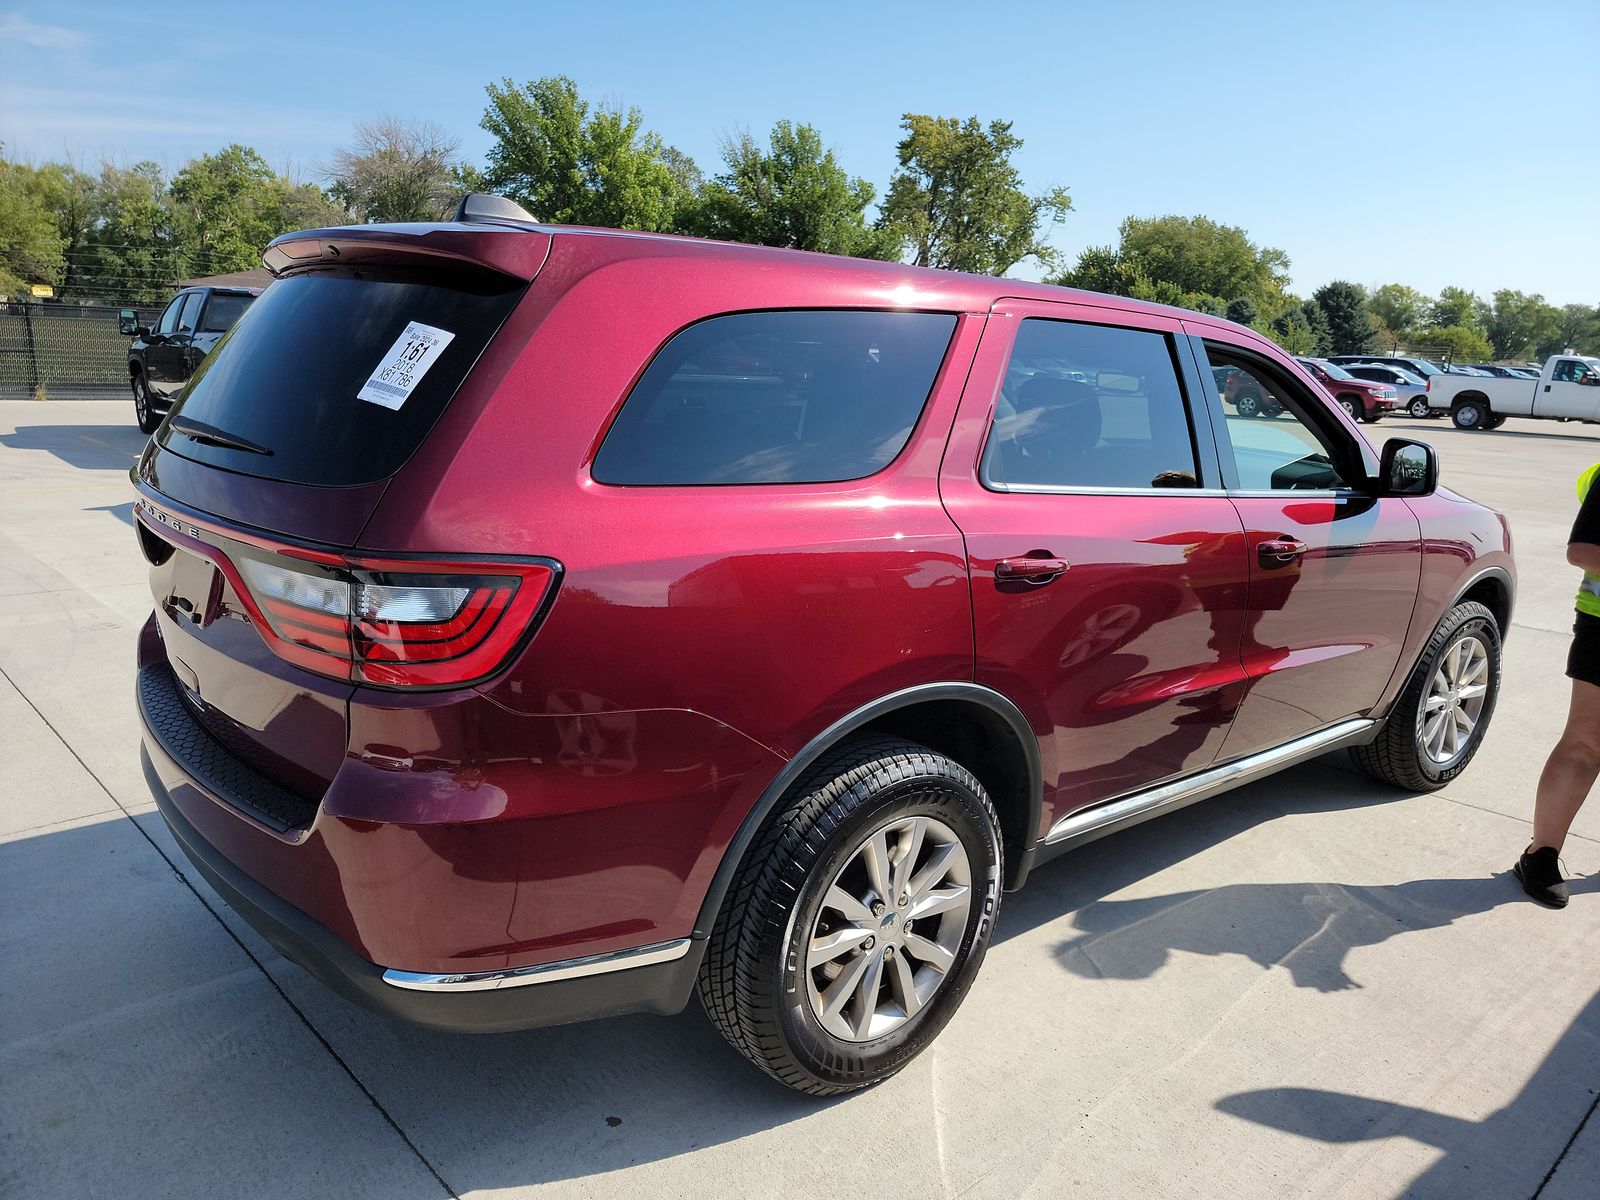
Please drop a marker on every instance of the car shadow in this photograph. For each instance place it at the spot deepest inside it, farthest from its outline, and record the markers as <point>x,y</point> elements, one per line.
<point>122,512</point>
<point>86,447</point>
<point>1557,1101</point>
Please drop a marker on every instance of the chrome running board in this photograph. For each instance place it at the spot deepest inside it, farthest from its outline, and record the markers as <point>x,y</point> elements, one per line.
<point>1086,824</point>
<point>567,968</point>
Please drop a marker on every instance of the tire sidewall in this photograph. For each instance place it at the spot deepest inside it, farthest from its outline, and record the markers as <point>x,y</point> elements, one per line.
<point>850,1064</point>
<point>1471,409</point>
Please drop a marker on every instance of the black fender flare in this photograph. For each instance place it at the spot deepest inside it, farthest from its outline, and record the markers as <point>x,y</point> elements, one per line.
<point>922,693</point>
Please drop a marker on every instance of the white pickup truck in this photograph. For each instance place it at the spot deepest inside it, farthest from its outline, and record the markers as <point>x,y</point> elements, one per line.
<point>1568,389</point>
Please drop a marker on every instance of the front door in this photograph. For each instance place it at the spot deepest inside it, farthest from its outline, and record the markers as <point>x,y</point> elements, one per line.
<point>166,359</point>
<point>1333,572</point>
<point>1108,567</point>
<point>1573,390</point>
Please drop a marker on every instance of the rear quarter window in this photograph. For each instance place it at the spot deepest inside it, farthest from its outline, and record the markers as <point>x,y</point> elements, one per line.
<point>777,397</point>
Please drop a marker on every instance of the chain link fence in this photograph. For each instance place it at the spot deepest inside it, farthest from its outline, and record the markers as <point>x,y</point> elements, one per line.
<point>65,350</point>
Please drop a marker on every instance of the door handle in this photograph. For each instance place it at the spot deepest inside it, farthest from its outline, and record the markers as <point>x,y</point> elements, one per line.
<point>1278,552</point>
<point>1029,570</point>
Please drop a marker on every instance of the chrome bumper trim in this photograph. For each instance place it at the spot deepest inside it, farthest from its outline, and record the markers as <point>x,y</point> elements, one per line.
<point>567,968</point>
<point>1179,792</point>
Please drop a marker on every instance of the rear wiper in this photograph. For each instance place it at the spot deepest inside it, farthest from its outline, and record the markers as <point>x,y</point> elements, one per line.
<point>210,435</point>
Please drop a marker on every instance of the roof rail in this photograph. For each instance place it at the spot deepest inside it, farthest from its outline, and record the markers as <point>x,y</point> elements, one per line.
<point>485,208</point>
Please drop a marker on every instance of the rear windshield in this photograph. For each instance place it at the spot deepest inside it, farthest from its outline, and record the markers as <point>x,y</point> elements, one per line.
<point>777,397</point>
<point>290,378</point>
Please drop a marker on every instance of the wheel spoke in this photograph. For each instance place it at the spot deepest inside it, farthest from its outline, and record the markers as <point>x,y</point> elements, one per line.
<point>906,852</point>
<point>867,995</point>
<point>1471,691</point>
<point>840,991</point>
<point>1433,735</point>
<point>930,952</point>
<point>846,905</point>
<point>1434,702</point>
<point>940,900</point>
<point>938,866</point>
<point>876,856</point>
<point>904,981</point>
<point>830,946</point>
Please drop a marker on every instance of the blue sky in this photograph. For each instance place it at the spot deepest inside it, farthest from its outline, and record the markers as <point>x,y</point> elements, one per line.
<point>1426,143</point>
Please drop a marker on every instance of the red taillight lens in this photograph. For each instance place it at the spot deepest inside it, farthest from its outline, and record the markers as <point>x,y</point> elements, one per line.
<point>396,623</point>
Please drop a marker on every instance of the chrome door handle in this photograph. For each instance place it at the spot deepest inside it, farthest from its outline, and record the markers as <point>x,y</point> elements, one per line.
<point>1029,570</point>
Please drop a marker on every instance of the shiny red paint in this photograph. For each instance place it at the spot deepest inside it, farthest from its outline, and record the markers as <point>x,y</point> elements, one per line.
<point>582,799</point>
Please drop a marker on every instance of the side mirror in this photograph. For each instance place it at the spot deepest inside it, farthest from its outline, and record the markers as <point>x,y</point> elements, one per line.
<point>128,323</point>
<point>1407,468</point>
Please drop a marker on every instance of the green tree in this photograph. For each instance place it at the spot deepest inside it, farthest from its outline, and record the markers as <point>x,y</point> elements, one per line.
<point>1399,307</point>
<point>1292,331</point>
<point>1458,307</point>
<point>571,165</point>
<point>396,171</point>
<point>795,194</point>
<point>134,248</point>
<point>232,204</point>
<point>1242,311</point>
<point>1344,308</point>
<point>1458,343</point>
<point>1518,322</point>
<point>1317,322</point>
<point>1578,327</point>
<point>32,249</point>
<point>957,200</point>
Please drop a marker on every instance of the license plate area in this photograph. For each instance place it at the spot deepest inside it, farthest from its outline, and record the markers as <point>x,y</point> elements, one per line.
<point>194,591</point>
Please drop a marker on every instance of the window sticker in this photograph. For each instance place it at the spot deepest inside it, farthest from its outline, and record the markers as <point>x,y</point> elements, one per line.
<point>403,367</point>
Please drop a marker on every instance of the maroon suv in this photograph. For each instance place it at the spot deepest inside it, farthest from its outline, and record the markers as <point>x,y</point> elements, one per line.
<point>552,623</point>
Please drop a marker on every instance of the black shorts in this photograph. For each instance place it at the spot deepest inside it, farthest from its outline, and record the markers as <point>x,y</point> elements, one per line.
<point>1583,660</point>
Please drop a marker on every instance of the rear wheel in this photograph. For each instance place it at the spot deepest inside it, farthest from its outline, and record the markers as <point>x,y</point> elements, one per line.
<point>1351,407</point>
<point>1470,414</point>
<point>859,918</point>
<point>1439,721</point>
<point>1495,421</point>
<point>143,410</point>
<point>1247,405</point>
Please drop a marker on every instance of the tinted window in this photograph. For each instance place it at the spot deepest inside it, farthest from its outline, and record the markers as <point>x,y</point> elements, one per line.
<point>222,312</point>
<point>190,316</point>
<point>777,397</point>
<point>1279,452</point>
<point>287,378</point>
<point>1090,406</point>
<point>169,318</point>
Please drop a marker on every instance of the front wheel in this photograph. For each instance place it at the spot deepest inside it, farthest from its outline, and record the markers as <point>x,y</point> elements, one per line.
<point>1419,407</point>
<point>1438,723</point>
<point>1495,421</point>
<point>1470,414</point>
<point>144,411</point>
<point>858,919</point>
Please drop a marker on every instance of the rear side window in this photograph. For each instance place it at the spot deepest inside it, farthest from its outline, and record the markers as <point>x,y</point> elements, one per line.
<point>777,397</point>
<point>1090,406</point>
<point>222,312</point>
<point>287,379</point>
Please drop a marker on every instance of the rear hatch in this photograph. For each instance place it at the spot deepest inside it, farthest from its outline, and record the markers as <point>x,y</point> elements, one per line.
<point>274,458</point>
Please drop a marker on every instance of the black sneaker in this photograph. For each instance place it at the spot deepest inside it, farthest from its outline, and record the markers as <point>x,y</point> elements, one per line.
<point>1540,873</point>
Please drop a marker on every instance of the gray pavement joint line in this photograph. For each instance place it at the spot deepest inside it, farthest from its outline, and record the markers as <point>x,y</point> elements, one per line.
<point>248,953</point>
<point>1555,1166</point>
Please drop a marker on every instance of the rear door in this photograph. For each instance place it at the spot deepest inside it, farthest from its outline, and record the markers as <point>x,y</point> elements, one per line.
<point>221,310</point>
<point>165,362</point>
<point>1108,567</point>
<point>1333,572</point>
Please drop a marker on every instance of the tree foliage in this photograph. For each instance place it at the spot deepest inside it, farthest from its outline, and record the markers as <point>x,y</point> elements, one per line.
<point>1518,322</point>
<point>1457,307</point>
<point>32,249</point>
<point>1399,307</point>
<point>1344,308</point>
<point>957,199</point>
<point>573,164</point>
<point>793,193</point>
<point>1458,343</point>
<point>396,171</point>
<point>232,204</point>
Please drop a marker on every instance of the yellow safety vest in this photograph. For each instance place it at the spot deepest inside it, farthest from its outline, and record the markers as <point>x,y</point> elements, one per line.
<point>1589,590</point>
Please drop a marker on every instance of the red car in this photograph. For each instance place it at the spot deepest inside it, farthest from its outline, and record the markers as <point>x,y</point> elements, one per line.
<point>1361,398</point>
<point>552,623</point>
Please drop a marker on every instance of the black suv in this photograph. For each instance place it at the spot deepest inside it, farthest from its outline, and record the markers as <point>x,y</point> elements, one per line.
<point>161,359</point>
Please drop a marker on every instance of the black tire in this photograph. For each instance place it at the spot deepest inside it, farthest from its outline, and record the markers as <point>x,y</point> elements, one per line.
<point>1470,414</point>
<point>753,984</point>
<point>1419,408</point>
<point>1373,419</point>
<point>143,410</point>
<point>1247,405</point>
<point>1495,421</point>
<point>1397,757</point>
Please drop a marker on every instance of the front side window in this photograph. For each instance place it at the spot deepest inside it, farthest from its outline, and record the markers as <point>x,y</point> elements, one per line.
<point>169,319</point>
<point>1090,406</point>
<point>777,397</point>
<point>1275,444</point>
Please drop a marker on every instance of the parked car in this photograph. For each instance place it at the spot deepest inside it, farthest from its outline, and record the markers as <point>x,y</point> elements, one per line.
<point>1420,367</point>
<point>1245,393</point>
<point>1568,390</point>
<point>552,623</point>
<point>1501,372</point>
<point>162,358</point>
<point>1411,393</point>
<point>1362,399</point>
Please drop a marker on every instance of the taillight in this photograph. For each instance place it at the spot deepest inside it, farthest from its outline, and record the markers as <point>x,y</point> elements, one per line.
<point>394,623</point>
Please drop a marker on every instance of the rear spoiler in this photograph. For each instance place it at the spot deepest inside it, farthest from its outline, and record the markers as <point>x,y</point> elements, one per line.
<point>517,251</point>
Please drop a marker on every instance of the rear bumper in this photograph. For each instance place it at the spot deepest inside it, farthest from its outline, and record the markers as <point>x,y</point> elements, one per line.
<point>552,994</point>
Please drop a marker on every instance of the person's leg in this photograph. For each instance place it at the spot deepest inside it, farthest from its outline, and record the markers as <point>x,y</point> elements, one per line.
<point>1570,771</point>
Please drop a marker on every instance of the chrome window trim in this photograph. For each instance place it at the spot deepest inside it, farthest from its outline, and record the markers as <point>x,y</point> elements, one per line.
<point>554,972</point>
<point>1068,489</point>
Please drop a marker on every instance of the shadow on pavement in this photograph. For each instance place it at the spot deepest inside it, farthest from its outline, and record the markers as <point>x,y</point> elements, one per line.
<point>87,447</point>
<point>122,512</point>
<point>1551,1107</point>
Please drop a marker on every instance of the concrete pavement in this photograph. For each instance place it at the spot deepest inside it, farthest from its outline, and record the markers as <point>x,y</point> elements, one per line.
<point>1310,987</point>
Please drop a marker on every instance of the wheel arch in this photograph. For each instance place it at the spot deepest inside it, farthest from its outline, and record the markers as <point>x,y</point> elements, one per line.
<point>974,725</point>
<point>1482,398</point>
<point>1492,589</point>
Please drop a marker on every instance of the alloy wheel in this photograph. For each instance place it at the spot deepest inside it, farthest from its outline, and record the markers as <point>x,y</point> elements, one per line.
<point>889,928</point>
<point>1449,715</point>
